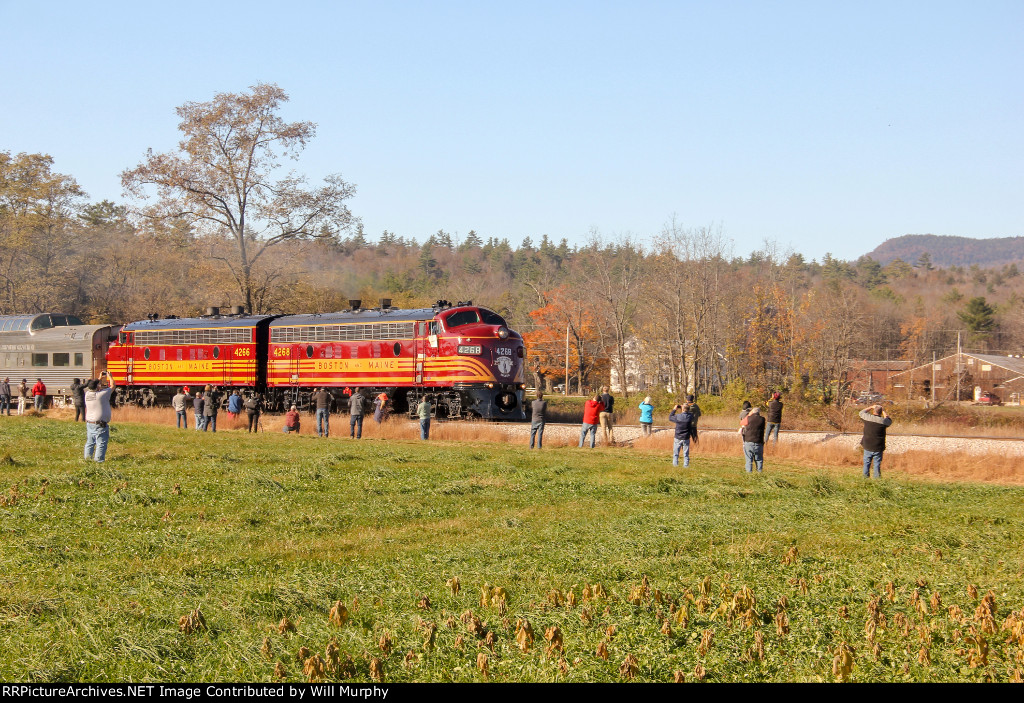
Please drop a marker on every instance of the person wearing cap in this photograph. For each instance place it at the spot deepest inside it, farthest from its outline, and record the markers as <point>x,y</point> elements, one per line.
<point>355,413</point>
<point>78,399</point>
<point>646,416</point>
<point>683,419</point>
<point>752,429</point>
<point>39,394</point>
<point>323,398</point>
<point>291,420</point>
<point>424,410</point>
<point>873,440</point>
<point>774,418</point>
<point>22,396</point>
<point>97,416</point>
<point>695,411</point>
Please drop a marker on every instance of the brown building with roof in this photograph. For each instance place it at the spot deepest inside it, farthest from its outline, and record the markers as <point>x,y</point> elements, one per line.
<point>973,374</point>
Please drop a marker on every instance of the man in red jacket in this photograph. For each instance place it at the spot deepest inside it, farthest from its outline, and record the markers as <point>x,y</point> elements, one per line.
<point>592,410</point>
<point>39,393</point>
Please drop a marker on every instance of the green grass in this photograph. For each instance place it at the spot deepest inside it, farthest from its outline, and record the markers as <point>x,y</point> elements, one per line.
<point>97,570</point>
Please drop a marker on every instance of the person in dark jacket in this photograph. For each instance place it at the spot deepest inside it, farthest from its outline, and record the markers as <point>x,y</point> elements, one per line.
<point>683,419</point>
<point>5,396</point>
<point>607,416</point>
<point>355,411</point>
<point>774,418</point>
<point>210,408</point>
<point>322,397</point>
<point>78,399</point>
<point>873,439</point>
<point>252,411</point>
<point>199,405</point>
<point>696,412</point>
<point>752,429</point>
<point>234,405</point>
<point>539,409</point>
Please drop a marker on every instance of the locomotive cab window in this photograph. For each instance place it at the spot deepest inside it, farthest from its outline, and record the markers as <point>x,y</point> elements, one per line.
<point>493,318</point>
<point>460,318</point>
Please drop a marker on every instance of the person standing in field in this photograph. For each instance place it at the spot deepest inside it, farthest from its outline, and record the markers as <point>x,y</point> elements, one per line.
<point>322,398</point>
<point>198,406</point>
<point>696,412</point>
<point>211,406</point>
<point>607,416</point>
<point>592,410</point>
<point>180,404</point>
<point>5,397</point>
<point>355,411</point>
<point>646,416</point>
<point>683,419</point>
<point>97,417</point>
<point>78,398</point>
<point>774,418</point>
<point>39,394</point>
<point>22,396</point>
<point>539,409</point>
<point>752,429</point>
<point>424,409</point>
<point>252,411</point>
<point>873,440</point>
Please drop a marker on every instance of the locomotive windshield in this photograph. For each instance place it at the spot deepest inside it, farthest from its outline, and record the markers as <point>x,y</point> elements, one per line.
<point>460,318</point>
<point>492,318</point>
<point>468,317</point>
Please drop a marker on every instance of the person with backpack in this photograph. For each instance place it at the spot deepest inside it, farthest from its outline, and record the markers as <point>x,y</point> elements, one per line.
<point>252,411</point>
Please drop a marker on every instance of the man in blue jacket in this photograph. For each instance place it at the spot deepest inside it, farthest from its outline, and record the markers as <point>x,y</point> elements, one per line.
<point>684,420</point>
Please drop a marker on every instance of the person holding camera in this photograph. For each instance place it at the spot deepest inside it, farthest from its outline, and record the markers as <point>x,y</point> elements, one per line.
<point>683,419</point>
<point>97,416</point>
<point>873,440</point>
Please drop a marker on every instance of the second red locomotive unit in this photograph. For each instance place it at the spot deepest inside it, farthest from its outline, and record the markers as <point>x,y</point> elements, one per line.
<point>463,355</point>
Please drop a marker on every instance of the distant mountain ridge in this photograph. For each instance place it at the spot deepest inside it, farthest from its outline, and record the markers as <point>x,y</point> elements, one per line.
<point>950,251</point>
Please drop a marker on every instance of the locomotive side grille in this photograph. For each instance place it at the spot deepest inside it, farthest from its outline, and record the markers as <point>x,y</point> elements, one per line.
<point>197,336</point>
<point>343,333</point>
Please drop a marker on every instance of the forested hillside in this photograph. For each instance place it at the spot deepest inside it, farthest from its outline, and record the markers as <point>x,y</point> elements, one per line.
<point>950,251</point>
<point>677,308</point>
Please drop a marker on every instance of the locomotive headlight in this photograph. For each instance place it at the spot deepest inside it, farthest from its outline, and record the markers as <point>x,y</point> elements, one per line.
<point>470,349</point>
<point>502,332</point>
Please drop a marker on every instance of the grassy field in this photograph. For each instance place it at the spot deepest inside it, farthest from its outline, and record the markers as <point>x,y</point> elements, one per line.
<point>705,573</point>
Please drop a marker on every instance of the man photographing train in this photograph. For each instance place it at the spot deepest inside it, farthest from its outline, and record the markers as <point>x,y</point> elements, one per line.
<point>97,416</point>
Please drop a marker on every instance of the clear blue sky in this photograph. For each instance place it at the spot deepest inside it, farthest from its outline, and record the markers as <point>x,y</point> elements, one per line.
<point>824,126</point>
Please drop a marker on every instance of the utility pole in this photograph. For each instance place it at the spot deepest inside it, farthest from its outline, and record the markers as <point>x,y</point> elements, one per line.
<point>933,377</point>
<point>565,388</point>
<point>958,367</point>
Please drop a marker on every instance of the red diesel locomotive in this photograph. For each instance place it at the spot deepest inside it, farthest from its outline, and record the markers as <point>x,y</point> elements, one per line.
<point>463,355</point>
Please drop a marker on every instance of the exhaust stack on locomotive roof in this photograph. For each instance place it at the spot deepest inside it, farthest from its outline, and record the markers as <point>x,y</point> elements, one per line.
<point>237,309</point>
<point>212,311</point>
<point>385,303</point>
<point>354,304</point>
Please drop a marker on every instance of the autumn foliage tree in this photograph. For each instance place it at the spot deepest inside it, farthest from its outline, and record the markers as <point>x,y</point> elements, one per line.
<point>545,343</point>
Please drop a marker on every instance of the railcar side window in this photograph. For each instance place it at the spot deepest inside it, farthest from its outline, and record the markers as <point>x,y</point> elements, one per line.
<point>460,318</point>
<point>62,360</point>
<point>79,359</point>
<point>40,360</point>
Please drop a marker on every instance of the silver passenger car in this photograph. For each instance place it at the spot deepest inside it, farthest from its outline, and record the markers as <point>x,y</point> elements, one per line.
<point>54,347</point>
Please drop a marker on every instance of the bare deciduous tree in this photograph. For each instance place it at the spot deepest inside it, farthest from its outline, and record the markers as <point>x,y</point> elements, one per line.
<point>225,178</point>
